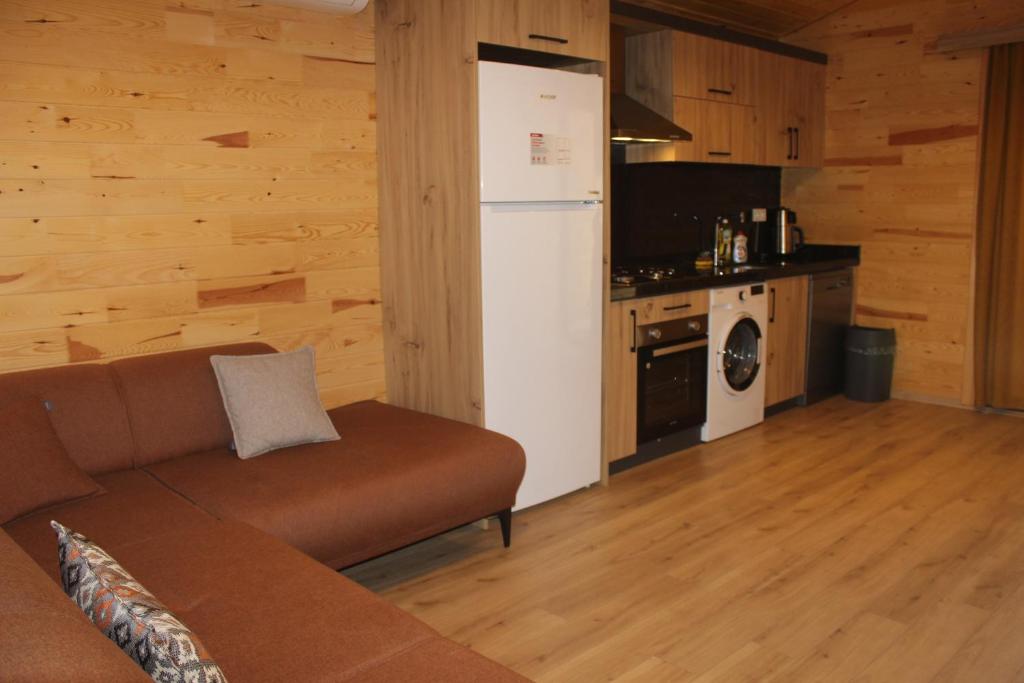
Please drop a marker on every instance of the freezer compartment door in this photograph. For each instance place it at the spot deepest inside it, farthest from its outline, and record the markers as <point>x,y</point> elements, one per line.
<point>541,134</point>
<point>542,316</point>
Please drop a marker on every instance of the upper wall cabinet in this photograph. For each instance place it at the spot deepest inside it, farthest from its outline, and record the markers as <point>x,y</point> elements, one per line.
<point>709,69</point>
<point>722,132</point>
<point>706,86</point>
<point>791,108</point>
<point>742,105</point>
<point>578,28</point>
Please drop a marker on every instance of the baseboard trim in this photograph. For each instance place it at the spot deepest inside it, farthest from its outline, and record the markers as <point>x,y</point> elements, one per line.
<point>783,406</point>
<point>657,449</point>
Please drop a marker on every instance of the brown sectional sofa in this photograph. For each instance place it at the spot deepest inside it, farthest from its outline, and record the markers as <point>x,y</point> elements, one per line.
<point>244,552</point>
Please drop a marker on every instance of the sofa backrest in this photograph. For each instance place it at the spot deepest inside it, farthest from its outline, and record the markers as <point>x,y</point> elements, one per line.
<point>86,410</point>
<point>46,637</point>
<point>173,402</point>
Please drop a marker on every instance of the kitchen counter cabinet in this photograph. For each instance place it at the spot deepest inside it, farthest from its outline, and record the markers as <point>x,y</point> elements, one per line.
<point>786,343</point>
<point>577,28</point>
<point>620,382</point>
<point>670,306</point>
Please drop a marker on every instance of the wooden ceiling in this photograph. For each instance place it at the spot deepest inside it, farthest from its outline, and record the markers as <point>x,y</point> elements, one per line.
<point>768,18</point>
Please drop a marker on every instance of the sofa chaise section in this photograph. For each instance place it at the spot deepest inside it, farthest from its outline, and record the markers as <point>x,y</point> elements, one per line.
<point>396,476</point>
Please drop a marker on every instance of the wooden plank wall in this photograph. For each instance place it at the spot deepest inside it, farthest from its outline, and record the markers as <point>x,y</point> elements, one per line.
<point>900,174</point>
<point>186,173</point>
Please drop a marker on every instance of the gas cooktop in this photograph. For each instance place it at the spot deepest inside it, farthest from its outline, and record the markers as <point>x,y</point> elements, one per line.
<point>628,276</point>
<point>622,275</point>
<point>654,278</point>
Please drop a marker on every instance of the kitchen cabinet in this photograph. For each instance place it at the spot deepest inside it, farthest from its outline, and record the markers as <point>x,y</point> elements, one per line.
<point>706,86</point>
<point>792,109</point>
<point>709,69</point>
<point>725,132</point>
<point>620,382</point>
<point>578,28</point>
<point>786,343</point>
<point>620,399</point>
<point>658,309</point>
<point>742,105</point>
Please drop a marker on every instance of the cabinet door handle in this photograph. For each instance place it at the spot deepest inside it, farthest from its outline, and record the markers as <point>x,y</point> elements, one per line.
<point>789,140</point>
<point>796,154</point>
<point>719,154</point>
<point>553,39</point>
<point>720,91</point>
<point>676,308</point>
<point>632,345</point>
<point>771,316</point>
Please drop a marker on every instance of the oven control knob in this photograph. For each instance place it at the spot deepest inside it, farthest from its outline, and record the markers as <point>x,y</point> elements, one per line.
<point>743,295</point>
<point>654,333</point>
<point>693,326</point>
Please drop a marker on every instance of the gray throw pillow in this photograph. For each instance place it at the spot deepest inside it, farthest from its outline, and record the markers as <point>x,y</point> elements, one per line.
<point>272,401</point>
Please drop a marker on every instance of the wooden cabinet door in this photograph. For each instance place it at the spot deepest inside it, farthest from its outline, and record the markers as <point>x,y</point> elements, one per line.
<point>786,342</point>
<point>569,27</point>
<point>620,382</point>
<point>807,111</point>
<point>775,135</point>
<point>709,69</point>
<point>791,105</point>
<point>722,132</point>
<point>657,309</point>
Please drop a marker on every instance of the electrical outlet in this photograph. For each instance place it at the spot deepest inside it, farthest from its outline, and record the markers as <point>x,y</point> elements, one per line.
<point>758,215</point>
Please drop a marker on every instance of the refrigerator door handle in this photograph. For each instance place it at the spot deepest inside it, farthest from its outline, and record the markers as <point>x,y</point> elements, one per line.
<point>548,203</point>
<point>509,207</point>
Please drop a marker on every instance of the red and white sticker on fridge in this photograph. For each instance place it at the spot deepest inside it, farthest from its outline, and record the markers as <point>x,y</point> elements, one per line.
<point>548,150</point>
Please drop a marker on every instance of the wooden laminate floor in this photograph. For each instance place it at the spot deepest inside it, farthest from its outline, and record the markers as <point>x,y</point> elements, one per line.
<point>838,542</point>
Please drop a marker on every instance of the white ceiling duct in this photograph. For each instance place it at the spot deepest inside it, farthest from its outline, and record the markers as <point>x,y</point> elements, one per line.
<point>334,6</point>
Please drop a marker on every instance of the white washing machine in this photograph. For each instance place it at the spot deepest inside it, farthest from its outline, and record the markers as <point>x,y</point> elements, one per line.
<point>737,324</point>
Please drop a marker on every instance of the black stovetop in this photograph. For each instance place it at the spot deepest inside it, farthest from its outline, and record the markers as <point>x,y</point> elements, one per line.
<point>651,279</point>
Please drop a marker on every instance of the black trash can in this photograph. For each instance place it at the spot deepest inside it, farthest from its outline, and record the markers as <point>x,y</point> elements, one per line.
<point>870,356</point>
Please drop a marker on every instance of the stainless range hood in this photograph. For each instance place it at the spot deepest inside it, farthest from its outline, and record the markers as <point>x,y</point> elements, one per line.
<point>633,122</point>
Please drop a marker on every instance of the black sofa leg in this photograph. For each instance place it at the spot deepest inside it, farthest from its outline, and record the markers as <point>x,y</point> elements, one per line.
<point>505,518</point>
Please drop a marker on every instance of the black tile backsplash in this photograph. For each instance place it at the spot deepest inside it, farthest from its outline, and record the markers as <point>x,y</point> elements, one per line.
<point>653,206</point>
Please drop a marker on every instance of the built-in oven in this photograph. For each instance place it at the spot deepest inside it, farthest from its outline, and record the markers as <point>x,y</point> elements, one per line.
<point>672,375</point>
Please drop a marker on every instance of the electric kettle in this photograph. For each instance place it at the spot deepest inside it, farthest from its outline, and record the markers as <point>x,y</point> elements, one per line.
<point>788,237</point>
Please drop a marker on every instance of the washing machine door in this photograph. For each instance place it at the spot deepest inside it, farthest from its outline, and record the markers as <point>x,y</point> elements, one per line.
<point>740,355</point>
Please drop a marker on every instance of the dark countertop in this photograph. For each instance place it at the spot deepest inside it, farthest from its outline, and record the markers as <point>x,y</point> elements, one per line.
<point>812,258</point>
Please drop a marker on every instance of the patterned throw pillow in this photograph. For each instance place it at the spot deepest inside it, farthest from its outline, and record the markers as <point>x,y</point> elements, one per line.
<point>129,615</point>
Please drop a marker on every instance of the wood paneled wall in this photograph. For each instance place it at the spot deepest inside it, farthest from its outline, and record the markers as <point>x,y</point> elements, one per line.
<point>186,173</point>
<point>901,174</point>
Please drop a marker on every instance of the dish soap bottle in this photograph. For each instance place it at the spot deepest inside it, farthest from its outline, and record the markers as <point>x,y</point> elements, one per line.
<point>724,241</point>
<point>739,247</point>
<point>739,244</point>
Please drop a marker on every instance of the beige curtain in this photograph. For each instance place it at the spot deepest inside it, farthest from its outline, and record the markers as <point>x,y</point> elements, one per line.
<point>999,298</point>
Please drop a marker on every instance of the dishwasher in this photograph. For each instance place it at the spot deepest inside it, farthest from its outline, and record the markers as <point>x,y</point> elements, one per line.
<point>831,311</point>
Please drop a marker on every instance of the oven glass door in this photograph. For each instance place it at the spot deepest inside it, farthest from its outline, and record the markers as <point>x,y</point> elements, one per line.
<point>671,388</point>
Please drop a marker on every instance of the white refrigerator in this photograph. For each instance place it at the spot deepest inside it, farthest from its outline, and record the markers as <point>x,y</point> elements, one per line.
<point>541,192</point>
